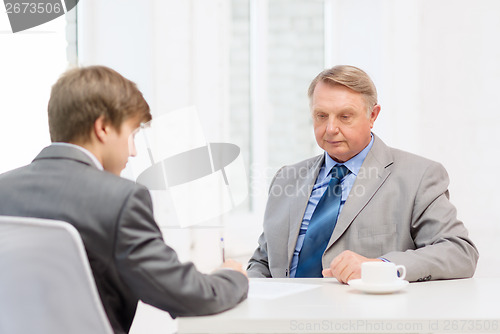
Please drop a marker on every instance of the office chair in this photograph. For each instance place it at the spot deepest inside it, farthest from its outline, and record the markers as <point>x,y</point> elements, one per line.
<point>46,284</point>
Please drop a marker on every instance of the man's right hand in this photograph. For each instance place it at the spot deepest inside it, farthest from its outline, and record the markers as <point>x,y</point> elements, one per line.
<point>234,265</point>
<point>346,266</point>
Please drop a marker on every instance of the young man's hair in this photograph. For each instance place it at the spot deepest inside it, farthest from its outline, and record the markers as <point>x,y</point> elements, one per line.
<point>350,77</point>
<point>82,95</point>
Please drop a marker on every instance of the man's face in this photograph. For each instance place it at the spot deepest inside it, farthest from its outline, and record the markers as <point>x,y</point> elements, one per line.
<point>120,146</point>
<point>341,125</point>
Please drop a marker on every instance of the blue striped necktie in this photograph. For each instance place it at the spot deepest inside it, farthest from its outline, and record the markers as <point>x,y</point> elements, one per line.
<point>321,226</point>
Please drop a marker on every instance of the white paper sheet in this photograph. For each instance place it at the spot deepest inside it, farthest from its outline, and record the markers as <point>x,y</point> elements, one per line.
<point>274,290</point>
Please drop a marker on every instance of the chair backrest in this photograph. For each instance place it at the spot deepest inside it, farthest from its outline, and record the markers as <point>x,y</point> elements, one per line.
<point>46,284</point>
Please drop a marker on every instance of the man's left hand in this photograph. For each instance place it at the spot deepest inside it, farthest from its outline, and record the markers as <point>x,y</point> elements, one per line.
<point>346,266</point>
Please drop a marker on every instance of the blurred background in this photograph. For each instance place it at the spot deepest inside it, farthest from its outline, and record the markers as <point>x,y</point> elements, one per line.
<point>245,65</point>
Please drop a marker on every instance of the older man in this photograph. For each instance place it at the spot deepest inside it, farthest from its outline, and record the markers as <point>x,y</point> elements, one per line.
<point>360,200</point>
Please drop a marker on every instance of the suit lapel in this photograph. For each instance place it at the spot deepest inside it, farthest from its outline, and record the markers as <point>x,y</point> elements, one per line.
<point>370,178</point>
<point>298,203</point>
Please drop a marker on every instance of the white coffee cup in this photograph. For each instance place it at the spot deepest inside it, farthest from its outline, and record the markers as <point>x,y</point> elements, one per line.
<point>381,272</point>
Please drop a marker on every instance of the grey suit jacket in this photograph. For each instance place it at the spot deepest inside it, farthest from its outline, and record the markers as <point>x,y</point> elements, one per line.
<point>398,208</point>
<point>127,254</point>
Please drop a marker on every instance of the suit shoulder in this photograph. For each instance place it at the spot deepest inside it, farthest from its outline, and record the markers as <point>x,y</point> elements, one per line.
<point>13,172</point>
<point>404,157</point>
<point>415,167</point>
<point>308,163</point>
<point>297,170</point>
<point>116,184</point>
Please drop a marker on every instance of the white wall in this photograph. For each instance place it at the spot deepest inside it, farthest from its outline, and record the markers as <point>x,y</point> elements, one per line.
<point>436,66</point>
<point>176,52</point>
<point>30,62</point>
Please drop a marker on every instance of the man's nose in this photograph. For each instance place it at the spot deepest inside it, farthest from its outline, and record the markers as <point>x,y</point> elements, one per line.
<point>332,126</point>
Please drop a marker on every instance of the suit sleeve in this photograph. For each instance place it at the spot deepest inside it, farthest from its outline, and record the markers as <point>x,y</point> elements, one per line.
<point>258,265</point>
<point>154,273</point>
<point>442,247</point>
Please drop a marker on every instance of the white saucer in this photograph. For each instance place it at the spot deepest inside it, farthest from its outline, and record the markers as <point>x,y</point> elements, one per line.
<point>378,288</point>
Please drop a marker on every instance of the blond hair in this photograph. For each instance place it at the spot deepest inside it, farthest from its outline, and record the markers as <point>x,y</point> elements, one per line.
<point>350,77</point>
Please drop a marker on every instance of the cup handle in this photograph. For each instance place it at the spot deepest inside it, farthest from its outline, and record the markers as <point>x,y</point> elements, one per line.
<point>402,271</point>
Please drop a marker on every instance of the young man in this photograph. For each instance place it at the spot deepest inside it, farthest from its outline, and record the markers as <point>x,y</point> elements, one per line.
<point>94,113</point>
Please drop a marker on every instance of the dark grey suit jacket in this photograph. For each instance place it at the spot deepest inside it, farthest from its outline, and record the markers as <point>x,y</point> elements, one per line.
<point>127,254</point>
<point>398,208</point>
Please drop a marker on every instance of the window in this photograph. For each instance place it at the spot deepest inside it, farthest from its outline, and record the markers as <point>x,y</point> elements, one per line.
<point>30,62</point>
<point>275,49</point>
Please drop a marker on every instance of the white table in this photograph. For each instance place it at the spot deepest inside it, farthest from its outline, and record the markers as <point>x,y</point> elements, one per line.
<point>453,306</point>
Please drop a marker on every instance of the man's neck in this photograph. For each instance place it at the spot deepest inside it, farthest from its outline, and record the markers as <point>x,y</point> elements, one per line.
<point>91,151</point>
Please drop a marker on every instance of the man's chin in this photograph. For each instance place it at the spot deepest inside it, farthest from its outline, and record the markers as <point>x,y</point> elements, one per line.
<point>337,157</point>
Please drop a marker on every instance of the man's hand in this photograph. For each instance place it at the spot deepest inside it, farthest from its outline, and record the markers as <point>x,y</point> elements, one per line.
<point>231,264</point>
<point>346,266</point>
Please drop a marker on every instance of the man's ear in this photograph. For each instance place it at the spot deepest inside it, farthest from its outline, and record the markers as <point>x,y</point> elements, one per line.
<point>101,128</point>
<point>374,114</point>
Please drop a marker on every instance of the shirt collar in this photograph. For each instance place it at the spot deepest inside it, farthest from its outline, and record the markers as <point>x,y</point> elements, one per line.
<point>96,162</point>
<point>354,164</point>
